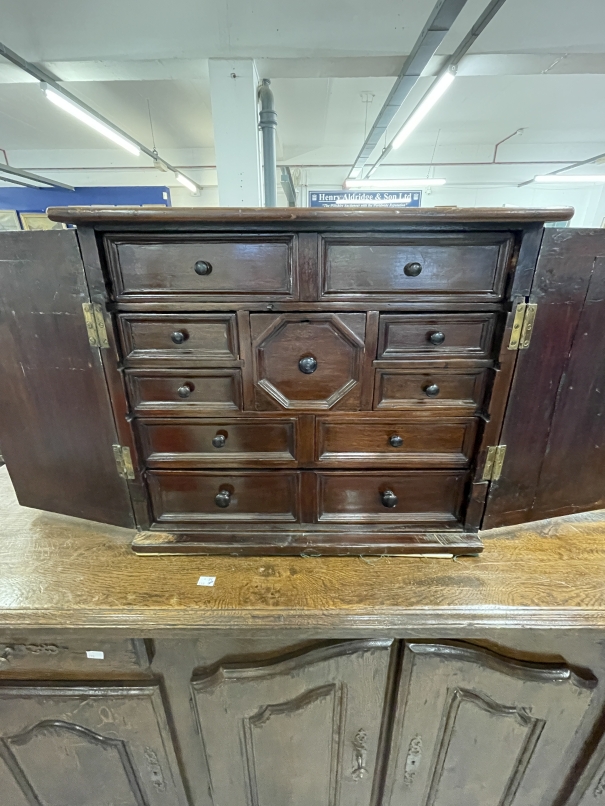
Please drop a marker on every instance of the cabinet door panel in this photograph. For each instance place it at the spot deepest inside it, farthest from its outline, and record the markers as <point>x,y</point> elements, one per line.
<point>476,728</point>
<point>98,746</point>
<point>301,730</point>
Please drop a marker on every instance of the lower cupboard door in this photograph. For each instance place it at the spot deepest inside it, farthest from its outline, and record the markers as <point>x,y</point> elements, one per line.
<point>473,728</point>
<point>298,730</point>
<point>86,745</point>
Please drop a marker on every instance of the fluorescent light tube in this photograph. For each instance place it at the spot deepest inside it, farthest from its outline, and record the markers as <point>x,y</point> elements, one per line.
<point>424,107</point>
<point>68,106</point>
<point>186,182</point>
<point>386,184</point>
<point>569,178</point>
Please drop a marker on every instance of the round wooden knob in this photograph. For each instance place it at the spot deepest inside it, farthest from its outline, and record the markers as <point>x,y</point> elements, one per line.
<point>432,390</point>
<point>202,267</point>
<point>437,338</point>
<point>178,337</point>
<point>307,365</point>
<point>184,391</point>
<point>219,441</point>
<point>222,499</point>
<point>396,441</point>
<point>412,269</point>
<point>389,499</point>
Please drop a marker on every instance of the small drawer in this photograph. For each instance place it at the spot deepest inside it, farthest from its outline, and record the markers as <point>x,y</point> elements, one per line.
<point>466,336</point>
<point>409,442</point>
<point>174,338</point>
<point>226,442</point>
<point>468,266</point>
<point>422,498</point>
<point>403,388</point>
<point>212,267</point>
<point>201,497</point>
<point>182,393</point>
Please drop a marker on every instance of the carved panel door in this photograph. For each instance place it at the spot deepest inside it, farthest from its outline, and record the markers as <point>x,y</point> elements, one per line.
<point>475,728</point>
<point>301,730</point>
<point>86,746</point>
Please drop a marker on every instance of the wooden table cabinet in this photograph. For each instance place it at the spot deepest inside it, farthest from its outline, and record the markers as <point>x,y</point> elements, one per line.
<point>278,381</point>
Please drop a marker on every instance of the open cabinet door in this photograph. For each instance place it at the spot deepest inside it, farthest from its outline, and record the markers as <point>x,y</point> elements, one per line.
<point>56,423</point>
<point>554,426</point>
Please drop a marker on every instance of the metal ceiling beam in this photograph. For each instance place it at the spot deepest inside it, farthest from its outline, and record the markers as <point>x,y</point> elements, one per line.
<point>47,78</point>
<point>438,24</point>
<point>568,168</point>
<point>452,63</point>
<point>8,169</point>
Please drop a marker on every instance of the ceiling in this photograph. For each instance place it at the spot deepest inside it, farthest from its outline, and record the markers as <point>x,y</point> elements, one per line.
<point>539,66</point>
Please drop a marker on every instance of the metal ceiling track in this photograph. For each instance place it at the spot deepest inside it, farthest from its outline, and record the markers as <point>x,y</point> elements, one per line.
<point>438,24</point>
<point>41,75</point>
<point>17,176</point>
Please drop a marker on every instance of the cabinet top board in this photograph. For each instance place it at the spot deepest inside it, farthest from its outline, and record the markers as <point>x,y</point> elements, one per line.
<point>307,216</point>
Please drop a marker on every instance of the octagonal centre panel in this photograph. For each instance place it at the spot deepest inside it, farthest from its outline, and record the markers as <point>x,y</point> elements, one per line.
<point>310,361</point>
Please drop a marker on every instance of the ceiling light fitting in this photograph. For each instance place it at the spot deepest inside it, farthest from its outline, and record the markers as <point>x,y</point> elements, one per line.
<point>552,179</point>
<point>386,184</point>
<point>439,87</point>
<point>184,180</point>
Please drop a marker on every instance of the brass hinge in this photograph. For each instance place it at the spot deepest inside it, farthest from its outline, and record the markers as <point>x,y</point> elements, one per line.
<point>123,461</point>
<point>493,462</point>
<point>523,325</point>
<point>95,325</point>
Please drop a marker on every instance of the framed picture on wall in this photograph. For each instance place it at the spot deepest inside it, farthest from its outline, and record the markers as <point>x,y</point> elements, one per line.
<point>33,221</point>
<point>9,220</point>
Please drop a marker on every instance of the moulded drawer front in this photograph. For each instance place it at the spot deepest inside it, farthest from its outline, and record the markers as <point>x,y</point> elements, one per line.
<point>193,497</point>
<point>176,338</point>
<point>415,443</point>
<point>468,335</point>
<point>233,267</point>
<point>399,388</point>
<point>472,265</point>
<point>218,442</point>
<point>414,496</point>
<point>184,392</point>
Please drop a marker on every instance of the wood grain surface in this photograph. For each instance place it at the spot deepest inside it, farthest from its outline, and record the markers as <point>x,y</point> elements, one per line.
<point>63,572</point>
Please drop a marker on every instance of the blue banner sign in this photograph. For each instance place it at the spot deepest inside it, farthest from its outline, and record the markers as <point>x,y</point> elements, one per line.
<point>365,198</point>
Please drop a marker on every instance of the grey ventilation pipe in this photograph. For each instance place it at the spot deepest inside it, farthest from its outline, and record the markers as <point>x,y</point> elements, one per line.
<point>268,125</point>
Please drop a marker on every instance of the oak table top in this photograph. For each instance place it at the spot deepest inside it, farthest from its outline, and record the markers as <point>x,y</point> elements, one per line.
<point>60,572</point>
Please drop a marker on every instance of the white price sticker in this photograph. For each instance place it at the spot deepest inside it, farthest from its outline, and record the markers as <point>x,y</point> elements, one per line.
<point>206,582</point>
<point>95,654</point>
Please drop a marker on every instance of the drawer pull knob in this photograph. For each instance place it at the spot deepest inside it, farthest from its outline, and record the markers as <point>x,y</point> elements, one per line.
<point>307,365</point>
<point>202,267</point>
<point>389,499</point>
<point>178,337</point>
<point>184,391</point>
<point>412,269</point>
<point>432,390</point>
<point>219,441</point>
<point>396,441</point>
<point>437,338</point>
<point>222,499</point>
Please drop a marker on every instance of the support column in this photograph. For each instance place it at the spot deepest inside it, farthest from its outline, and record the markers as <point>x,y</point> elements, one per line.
<point>233,92</point>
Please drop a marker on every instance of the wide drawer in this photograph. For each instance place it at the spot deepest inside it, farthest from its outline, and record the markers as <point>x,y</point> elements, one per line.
<point>178,338</point>
<point>426,442</point>
<point>178,392</point>
<point>200,496</point>
<point>238,267</point>
<point>466,335</point>
<point>227,442</point>
<point>413,496</point>
<point>399,388</point>
<point>465,265</point>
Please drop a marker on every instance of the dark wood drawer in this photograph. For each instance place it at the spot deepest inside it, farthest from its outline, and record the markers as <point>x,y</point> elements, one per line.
<point>465,335</point>
<point>410,442</point>
<point>416,496</point>
<point>178,338</point>
<point>468,266</point>
<point>196,496</point>
<point>179,392</point>
<point>308,360</point>
<point>227,442</point>
<point>215,267</point>
<point>399,388</point>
